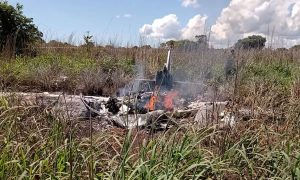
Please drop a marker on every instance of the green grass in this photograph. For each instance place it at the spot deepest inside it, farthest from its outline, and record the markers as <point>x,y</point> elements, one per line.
<point>279,74</point>
<point>43,72</point>
<point>269,85</point>
<point>36,144</point>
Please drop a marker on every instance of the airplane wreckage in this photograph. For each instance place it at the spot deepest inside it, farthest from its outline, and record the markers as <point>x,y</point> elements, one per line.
<point>155,104</point>
<point>158,104</point>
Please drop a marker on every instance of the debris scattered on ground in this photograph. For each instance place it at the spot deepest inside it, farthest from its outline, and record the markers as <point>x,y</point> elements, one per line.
<point>128,112</point>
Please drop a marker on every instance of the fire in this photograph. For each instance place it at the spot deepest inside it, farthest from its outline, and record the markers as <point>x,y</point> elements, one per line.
<point>161,101</point>
<point>151,104</point>
<point>168,100</point>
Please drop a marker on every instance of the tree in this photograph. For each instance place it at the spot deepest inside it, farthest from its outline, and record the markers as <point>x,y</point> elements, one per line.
<point>251,42</point>
<point>88,39</point>
<point>202,40</point>
<point>179,44</point>
<point>296,47</point>
<point>56,43</point>
<point>170,44</point>
<point>17,32</point>
<point>88,42</point>
<point>146,46</point>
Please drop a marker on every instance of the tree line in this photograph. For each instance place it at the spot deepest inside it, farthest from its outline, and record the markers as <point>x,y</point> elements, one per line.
<point>19,35</point>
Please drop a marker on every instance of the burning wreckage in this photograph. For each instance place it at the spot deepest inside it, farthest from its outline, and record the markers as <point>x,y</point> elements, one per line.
<point>156,104</point>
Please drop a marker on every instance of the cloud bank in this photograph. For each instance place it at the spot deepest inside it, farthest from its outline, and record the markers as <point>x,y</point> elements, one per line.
<point>169,27</point>
<point>266,17</point>
<point>280,18</point>
<point>189,3</point>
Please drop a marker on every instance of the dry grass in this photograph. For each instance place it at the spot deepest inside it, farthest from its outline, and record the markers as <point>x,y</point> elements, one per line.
<point>38,145</point>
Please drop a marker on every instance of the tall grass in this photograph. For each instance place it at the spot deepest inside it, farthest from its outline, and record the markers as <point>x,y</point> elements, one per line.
<point>36,144</point>
<point>56,72</point>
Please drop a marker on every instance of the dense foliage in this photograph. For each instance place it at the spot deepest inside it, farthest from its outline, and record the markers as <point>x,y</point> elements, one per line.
<point>17,32</point>
<point>251,42</point>
<point>200,43</point>
<point>296,47</point>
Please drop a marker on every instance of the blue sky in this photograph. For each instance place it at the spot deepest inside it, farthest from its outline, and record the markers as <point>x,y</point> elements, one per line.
<point>125,21</point>
<point>105,18</point>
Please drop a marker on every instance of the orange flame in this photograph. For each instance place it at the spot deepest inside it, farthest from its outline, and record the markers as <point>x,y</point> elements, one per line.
<point>168,100</point>
<point>151,104</point>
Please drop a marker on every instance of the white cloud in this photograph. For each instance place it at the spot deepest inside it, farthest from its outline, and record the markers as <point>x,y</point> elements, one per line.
<point>189,3</point>
<point>241,18</point>
<point>127,15</point>
<point>124,16</point>
<point>168,27</point>
<point>194,27</point>
<point>244,17</point>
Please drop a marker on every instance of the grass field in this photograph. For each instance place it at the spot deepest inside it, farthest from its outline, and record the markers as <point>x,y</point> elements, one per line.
<point>35,144</point>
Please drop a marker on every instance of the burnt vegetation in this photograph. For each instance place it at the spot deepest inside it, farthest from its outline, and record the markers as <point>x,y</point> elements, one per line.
<point>36,143</point>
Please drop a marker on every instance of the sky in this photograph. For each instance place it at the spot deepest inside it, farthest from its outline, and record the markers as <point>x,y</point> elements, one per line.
<point>137,22</point>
